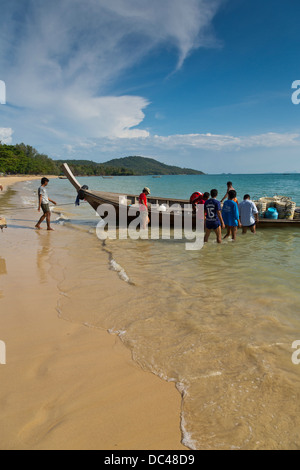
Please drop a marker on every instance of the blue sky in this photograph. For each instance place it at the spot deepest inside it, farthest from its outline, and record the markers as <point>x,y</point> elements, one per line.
<point>197,83</point>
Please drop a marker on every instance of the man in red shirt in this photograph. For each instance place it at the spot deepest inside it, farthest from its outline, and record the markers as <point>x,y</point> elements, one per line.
<point>198,198</point>
<point>144,208</point>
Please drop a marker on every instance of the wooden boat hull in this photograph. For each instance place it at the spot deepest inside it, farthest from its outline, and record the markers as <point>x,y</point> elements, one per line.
<point>98,198</point>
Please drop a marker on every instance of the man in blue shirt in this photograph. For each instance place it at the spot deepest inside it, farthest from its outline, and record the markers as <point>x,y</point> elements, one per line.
<point>214,220</point>
<point>231,216</point>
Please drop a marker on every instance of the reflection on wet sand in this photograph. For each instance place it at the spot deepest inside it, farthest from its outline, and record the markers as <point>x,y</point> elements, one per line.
<point>42,255</point>
<point>3,270</point>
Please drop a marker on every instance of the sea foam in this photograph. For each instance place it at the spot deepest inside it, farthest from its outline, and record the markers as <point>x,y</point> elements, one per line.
<point>121,271</point>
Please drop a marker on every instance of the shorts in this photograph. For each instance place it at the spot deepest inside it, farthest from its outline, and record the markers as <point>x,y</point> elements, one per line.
<point>250,226</point>
<point>45,208</point>
<point>212,225</point>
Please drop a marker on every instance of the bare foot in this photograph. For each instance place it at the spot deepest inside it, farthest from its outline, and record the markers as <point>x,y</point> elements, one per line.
<point>38,227</point>
<point>50,229</point>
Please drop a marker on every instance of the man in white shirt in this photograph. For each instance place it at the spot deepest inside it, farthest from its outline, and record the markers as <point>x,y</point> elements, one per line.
<point>44,205</point>
<point>248,214</point>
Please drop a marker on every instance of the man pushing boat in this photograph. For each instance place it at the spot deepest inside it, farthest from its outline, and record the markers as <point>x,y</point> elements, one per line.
<point>144,208</point>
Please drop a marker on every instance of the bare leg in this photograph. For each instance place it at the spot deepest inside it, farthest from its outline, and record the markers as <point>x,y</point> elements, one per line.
<point>244,230</point>
<point>234,232</point>
<point>228,232</point>
<point>218,232</point>
<point>253,229</point>
<point>48,217</point>
<point>38,225</point>
<point>207,234</point>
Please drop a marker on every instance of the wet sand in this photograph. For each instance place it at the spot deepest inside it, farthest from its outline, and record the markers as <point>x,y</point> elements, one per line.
<point>9,181</point>
<point>65,385</point>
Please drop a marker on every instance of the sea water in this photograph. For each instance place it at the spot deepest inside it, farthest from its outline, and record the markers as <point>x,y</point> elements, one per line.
<point>181,186</point>
<point>219,322</point>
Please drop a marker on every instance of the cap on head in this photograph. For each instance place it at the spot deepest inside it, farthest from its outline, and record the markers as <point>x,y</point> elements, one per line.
<point>146,190</point>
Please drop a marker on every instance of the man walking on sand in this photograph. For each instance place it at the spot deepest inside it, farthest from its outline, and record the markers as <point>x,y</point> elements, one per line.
<point>44,205</point>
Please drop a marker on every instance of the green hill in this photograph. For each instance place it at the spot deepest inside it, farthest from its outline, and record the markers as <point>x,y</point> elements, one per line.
<point>24,159</point>
<point>149,166</point>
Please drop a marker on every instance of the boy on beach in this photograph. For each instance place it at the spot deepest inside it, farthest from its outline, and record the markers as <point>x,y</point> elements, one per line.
<point>214,220</point>
<point>44,205</point>
<point>248,214</point>
<point>231,216</point>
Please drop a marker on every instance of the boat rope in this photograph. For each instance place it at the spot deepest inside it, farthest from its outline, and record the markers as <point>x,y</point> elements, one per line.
<point>57,205</point>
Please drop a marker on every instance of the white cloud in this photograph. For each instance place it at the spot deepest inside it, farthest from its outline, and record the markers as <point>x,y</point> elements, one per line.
<point>175,149</point>
<point>67,55</point>
<point>6,135</point>
<point>182,24</point>
<point>227,142</point>
<point>107,116</point>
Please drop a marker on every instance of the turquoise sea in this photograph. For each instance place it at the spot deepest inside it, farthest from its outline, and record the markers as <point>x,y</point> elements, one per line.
<point>183,186</point>
<point>219,323</point>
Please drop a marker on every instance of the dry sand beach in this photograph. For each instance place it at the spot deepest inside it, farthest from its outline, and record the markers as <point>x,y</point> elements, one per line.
<point>65,385</point>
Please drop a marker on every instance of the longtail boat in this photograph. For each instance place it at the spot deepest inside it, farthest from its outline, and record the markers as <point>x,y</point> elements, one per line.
<point>159,207</point>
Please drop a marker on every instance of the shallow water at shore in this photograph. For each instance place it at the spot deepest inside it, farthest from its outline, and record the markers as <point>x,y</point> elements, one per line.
<point>219,322</point>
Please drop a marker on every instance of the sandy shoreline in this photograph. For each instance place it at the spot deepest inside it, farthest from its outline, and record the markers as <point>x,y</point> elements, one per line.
<point>9,181</point>
<point>67,386</point>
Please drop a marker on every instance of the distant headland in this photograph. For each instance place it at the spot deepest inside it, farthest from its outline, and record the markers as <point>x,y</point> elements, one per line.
<point>134,166</point>
<point>23,159</point>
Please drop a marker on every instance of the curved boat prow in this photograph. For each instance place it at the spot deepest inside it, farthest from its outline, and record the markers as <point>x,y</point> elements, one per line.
<point>71,177</point>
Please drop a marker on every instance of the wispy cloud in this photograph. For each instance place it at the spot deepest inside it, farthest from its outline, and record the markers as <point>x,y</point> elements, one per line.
<point>182,146</point>
<point>62,58</point>
<point>6,135</point>
<point>228,142</point>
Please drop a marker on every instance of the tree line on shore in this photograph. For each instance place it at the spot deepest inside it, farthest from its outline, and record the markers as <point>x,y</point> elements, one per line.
<point>25,160</point>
